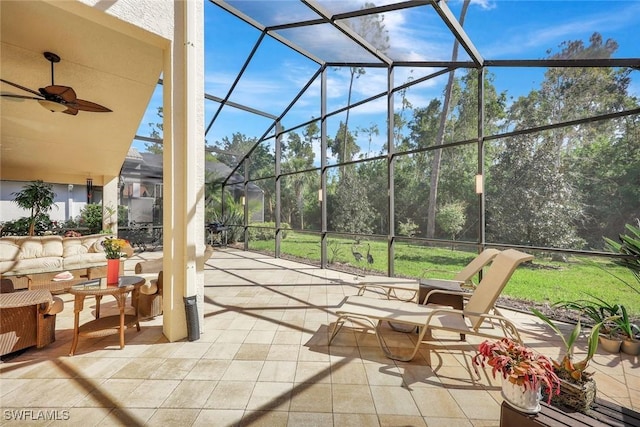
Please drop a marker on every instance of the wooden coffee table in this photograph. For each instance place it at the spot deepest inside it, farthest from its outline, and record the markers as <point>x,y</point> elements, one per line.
<point>109,325</point>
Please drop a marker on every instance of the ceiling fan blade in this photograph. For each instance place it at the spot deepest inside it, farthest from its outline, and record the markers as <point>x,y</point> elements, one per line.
<point>71,110</point>
<point>65,93</point>
<point>83,105</point>
<point>26,89</point>
<point>10,95</point>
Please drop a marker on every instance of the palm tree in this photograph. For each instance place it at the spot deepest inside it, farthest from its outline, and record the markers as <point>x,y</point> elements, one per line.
<point>37,197</point>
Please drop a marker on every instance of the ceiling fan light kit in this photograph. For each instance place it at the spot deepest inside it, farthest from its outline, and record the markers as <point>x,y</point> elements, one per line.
<point>54,107</point>
<point>57,98</point>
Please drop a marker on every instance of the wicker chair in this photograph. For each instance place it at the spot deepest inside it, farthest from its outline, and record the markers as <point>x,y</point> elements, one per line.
<point>27,318</point>
<point>150,298</point>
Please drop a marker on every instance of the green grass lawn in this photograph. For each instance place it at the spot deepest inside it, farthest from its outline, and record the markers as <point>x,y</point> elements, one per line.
<point>541,281</point>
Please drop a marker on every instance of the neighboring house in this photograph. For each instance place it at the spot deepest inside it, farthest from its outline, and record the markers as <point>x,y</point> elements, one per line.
<point>141,187</point>
<point>140,190</point>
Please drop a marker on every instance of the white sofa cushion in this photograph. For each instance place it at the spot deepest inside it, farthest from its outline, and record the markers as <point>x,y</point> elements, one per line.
<point>20,255</point>
<point>31,266</point>
<point>84,260</point>
<point>84,244</point>
<point>8,251</point>
<point>39,247</point>
<point>73,246</point>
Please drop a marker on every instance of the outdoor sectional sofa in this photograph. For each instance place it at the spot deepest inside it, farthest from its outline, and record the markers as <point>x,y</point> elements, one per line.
<point>33,261</point>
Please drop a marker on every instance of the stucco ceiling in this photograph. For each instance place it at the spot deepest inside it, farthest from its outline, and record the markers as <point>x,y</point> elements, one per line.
<point>102,65</point>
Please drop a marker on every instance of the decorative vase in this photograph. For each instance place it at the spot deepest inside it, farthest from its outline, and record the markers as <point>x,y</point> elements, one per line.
<point>610,345</point>
<point>113,271</point>
<point>631,347</point>
<point>524,400</point>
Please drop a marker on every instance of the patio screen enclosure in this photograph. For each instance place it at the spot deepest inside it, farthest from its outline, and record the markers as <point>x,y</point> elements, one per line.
<point>402,123</point>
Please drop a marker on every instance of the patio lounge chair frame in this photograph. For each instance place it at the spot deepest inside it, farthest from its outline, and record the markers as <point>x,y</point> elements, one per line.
<point>391,285</point>
<point>375,311</point>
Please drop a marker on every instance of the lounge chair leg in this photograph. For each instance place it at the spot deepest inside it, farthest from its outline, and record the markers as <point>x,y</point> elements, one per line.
<point>336,327</point>
<point>387,352</point>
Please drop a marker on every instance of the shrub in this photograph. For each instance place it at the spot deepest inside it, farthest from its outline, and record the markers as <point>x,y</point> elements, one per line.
<point>408,228</point>
<point>123,216</point>
<point>91,217</point>
<point>20,227</point>
<point>266,230</point>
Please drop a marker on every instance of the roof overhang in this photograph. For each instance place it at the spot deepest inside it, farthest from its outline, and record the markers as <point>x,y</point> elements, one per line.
<point>102,63</point>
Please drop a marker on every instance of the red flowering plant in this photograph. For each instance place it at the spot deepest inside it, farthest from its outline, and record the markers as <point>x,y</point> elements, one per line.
<point>519,365</point>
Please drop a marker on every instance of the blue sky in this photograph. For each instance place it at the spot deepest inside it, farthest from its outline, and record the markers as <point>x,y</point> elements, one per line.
<point>499,29</point>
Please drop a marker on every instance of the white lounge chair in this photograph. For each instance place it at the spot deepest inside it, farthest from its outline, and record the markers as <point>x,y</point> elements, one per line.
<point>469,320</point>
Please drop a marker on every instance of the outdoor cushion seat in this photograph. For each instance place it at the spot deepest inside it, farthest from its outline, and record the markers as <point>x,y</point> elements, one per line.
<point>473,319</point>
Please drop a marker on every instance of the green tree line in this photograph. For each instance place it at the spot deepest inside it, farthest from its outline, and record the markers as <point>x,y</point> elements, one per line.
<point>563,187</point>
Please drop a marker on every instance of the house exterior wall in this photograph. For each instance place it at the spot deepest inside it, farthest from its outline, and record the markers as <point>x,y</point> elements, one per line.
<point>69,201</point>
<point>155,16</point>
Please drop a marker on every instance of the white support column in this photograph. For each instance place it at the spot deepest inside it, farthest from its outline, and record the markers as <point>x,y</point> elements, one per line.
<point>183,155</point>
<point>69,213</point>
<point>110,205</point>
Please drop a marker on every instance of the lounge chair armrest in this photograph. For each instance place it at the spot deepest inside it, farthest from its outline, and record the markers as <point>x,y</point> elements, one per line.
<point>507,326</point>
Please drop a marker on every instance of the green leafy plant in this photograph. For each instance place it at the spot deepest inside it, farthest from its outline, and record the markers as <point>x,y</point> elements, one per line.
<point>408,228</point>
<point>624,324</point>
<point>266,230</point>
<point>566,368</point>
<point>336,250</point>
<point>598,311</point>
<point>91,217</point>
<point>629,246</point>
<point>22,226</point>
<point>38,197</point>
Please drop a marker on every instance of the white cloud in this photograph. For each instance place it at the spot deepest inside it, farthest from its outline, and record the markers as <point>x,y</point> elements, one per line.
<point>539,35</point>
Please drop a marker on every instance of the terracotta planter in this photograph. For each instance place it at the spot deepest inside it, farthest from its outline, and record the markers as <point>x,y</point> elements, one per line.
<point>610,345</point>
<point>524,400</point>
<point>113,271</point>
<point>631,347</point>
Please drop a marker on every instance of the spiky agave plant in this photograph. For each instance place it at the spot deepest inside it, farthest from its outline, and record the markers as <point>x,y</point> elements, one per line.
<point>567,367</point>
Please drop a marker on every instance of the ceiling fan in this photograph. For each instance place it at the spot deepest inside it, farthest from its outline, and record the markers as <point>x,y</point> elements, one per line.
<point>57,98</point>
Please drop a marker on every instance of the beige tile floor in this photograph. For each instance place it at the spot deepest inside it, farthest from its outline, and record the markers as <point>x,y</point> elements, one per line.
<point>263,360</point>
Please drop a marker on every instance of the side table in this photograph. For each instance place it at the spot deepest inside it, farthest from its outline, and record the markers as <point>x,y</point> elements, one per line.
<point>451,300</point>
<point>108,325</point>
<point>602,413</point>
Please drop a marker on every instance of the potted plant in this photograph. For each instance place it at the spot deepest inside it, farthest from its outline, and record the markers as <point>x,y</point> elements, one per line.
<point>577,387</point>
<point>600,311</point>
<point>630,343</point>
<point>38,197</point>
<point>113,251</point>
<point>524,373</point>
